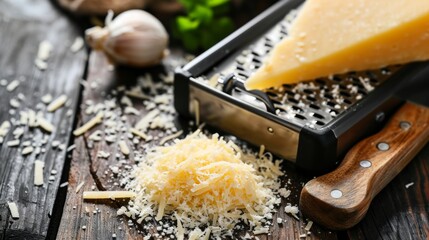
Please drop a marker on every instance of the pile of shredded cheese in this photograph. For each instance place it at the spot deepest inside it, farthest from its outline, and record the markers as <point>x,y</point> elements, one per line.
<point>202,182</point>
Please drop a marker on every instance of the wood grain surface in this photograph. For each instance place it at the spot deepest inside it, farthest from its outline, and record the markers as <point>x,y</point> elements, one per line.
<point>20,35</point>
<point>87,167</point>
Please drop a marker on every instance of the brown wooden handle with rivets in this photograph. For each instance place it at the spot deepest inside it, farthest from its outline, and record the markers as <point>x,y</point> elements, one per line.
<point>340,199</point>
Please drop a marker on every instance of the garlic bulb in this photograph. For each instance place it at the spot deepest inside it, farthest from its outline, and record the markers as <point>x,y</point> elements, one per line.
<point>134,38</point>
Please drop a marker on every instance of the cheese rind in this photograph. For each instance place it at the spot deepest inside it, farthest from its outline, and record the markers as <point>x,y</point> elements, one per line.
<point>331,37</point>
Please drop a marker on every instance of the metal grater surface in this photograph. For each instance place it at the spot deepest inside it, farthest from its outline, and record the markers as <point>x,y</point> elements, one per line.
<point>313,104</point>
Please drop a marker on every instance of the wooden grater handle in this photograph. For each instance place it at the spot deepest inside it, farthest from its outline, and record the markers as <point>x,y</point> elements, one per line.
<point>340,199</point>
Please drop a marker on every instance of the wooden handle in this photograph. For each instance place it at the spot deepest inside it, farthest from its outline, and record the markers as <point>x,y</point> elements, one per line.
<point>340,199</point>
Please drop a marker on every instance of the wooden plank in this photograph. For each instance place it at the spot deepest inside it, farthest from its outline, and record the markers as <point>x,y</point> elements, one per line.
<point>399,212</point>
<point>86,167</point>
<point>20,36</point>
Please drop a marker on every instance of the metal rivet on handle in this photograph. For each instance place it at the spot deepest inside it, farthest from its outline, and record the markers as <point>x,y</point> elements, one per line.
<point>270,130</point>
<point>365,163</point>
<point>405,125</point>
<point>383,146</point>
<point>336,193</point>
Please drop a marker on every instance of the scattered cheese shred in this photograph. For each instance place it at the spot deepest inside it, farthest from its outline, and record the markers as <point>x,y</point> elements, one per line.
<point>140,134</point>
<point>27,150</point>
<point>32,118</point>
<point>90,124</point>
<point>13,143</point>
<point>44,51</point>
<point>204,181</point>
<point>308,226</point>
<point>38,172</point>
<point>196,104</point>
<point>13,210</point>
<point>124,148</point>
<point>46,99</point>
<point>57,103</point>
<point>108,194</point>
<point>77,45</point>
<point>170,137</point>
<point>45,125</point>
<point>143,124</point>
<point>12,85</point>
<point>80,186</point>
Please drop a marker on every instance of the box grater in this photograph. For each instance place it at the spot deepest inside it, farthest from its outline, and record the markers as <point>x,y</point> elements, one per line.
<point>312,124</point>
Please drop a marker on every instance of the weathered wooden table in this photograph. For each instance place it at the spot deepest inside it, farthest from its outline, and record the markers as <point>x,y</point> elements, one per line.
<point>56,210</point>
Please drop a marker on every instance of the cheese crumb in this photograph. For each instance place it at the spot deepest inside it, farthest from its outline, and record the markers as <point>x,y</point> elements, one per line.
<point>77,45</point>
<point>45,125</point>
<point>308,226</point>
<point>108,194</point>
<point>38,172</point>
<point>12,85</point>
<point>57,103</point>
<point>90,124</point>
<point>80,186</point>
<point>14,213</point>
<point>124,148</point>
<point>172,136</point>
<point>46,99</point>
<point>27,150</point>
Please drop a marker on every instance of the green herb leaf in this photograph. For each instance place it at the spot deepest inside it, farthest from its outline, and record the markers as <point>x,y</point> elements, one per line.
<point>202,13</point>
<point>216,3</point>
<point>185,24</point>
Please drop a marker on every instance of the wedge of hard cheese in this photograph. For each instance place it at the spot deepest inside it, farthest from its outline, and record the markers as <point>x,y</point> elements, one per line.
<point>337,36</point>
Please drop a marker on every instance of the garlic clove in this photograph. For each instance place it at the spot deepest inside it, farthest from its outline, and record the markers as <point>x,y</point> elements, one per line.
<point>134,38</point>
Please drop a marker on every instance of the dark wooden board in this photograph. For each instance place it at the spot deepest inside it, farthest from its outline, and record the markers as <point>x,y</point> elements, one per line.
<point>20,35</point>
<point>399,212</point>
<point>87,167</point>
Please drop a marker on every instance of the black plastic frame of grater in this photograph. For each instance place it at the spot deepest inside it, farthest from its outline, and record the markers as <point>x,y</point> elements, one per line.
<point>319,150</point>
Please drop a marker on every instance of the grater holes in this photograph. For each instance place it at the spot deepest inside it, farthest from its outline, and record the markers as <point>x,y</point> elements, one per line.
<point>308,91</point>
<point>311,98</point>
<point>320,123</point>
<point>345,94</point>
<point>293,100</point>
<point>347,101</point>
<point>363,92</point>
<point>329,96</point>
<point>297,109</point>
<point>299,116</point>
<point>320,81</point>
<point>313,106</point>
<point>316,115</point>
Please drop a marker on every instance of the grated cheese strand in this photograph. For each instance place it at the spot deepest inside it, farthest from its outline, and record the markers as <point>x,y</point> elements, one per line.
<point>38,172</point>
<point>14,213</point>
<point>124,148</point>
<point>90,124</point>
<point>143,124</point>
<point>57,103</point>
<point>79,186</point>
<point>308,226</point>
<point>12,85</point>
<point>170,137</point>
<point>108,194</point>
<point>45,125</point>
<point>140,134</point>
